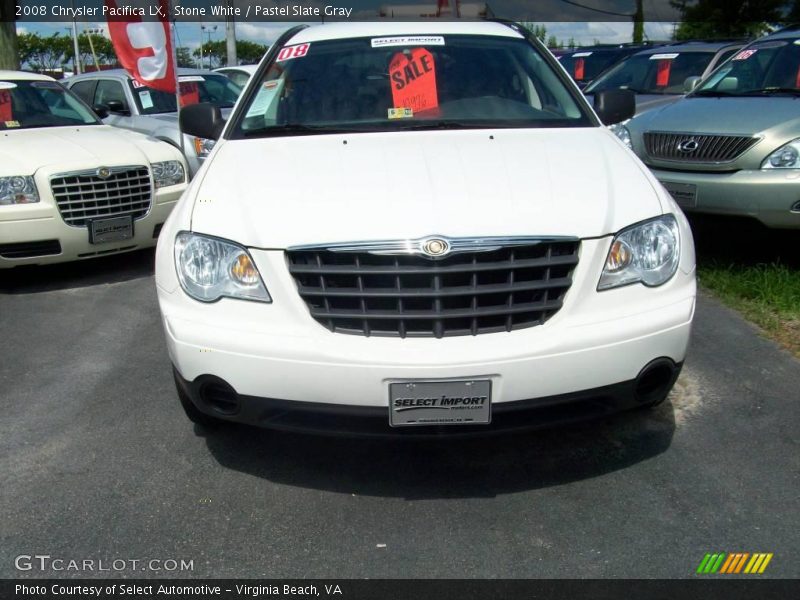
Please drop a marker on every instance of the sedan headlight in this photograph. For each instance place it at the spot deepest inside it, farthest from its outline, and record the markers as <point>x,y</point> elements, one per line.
<point>623,133</point>
<point>18,190</point>
<point>785,157</point>
<point>168,172</point>
<point>209,269</point>
<point>203,146</point>
<point>647,253</point>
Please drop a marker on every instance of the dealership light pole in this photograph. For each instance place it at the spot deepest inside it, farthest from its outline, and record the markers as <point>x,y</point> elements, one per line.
<point>77,61</point>
<point>230,37</point>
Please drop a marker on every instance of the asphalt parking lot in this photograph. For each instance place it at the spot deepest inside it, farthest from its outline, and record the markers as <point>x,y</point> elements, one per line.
<point>99,462</point>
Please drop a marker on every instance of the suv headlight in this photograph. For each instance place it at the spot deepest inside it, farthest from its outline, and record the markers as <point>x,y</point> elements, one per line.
<point>623,133</point>
<point>18,190</point>
<point>647,252</point>
<point>203,147</point>
<point>209,269</point>
<point>168,172</point>
<point>785,157</point>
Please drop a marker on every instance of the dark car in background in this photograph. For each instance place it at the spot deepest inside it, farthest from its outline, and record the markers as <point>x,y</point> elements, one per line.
<point>585,64</point>
<point>663,75</point>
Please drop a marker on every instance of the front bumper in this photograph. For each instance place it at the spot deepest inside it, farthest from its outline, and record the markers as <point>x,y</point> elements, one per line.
<point>767,196</point>
<point>372,421</point>
<point>597,341</point>
<point>41,222</point>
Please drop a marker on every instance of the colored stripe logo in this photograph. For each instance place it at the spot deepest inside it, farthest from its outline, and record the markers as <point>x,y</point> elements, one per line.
<point>734,563</point>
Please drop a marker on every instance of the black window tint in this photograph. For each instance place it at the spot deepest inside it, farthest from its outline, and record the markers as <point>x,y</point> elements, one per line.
<point>110,91</point>
<point>84,90</point>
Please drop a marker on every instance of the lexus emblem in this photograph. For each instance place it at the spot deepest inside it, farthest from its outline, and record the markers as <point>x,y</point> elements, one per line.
<point>104,172</point>
<point>435,247</point>
<point>688,146</point>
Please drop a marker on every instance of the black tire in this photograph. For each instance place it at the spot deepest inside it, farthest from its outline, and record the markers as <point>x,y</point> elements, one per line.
<point>192,412</point>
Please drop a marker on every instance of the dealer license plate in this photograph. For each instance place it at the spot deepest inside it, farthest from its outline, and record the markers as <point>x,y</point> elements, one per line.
<point>685,194</point>
<point>464,402</point>
<point>111,230</point>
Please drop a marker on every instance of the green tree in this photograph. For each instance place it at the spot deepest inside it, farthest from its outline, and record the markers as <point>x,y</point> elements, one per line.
<point>103,49</point>
<point>217,51</point>
<point>250,52</point>
<point>552,42</point>
<point>709,19</point>
<point>45,53</point>
<point>184,56</point>
<point>9,56</point>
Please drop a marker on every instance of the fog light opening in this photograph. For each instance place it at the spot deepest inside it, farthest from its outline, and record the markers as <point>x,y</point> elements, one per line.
<point>220,397</point>
<point>655,381</point>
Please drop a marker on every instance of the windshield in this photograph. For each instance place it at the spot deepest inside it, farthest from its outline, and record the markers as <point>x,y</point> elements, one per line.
<point>30,104</point>
<point>390,83</point>
<point>213,89</point>
<point>764,68</point>
<point>586,65</point>
<point>662,73</point>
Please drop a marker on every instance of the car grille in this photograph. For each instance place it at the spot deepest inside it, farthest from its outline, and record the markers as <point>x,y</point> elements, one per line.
<point>83,196</point>
<point>710,148</point>
<point>468,293</point>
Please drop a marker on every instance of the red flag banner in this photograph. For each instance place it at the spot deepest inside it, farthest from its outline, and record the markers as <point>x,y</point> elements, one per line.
<point>144,48</point>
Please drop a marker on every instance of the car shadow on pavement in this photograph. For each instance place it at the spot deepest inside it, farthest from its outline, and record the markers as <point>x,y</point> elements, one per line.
<point>446,468</point>
<point>78,274</point>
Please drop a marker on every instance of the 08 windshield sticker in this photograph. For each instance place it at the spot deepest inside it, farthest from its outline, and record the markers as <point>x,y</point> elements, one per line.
<point>745,54</point>
<point>290,52</point>
<point>190,93</point>
<point>413,79</point>
<point>416,40</point>
<point>669,56</point>
<point>6,115</point>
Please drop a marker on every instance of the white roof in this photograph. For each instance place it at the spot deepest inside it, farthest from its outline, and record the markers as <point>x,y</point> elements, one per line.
<point>246,68</point>
<point>23,75</point>
<point>336,31</point>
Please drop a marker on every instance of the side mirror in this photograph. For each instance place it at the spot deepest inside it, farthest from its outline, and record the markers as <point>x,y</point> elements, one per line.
<point>691,84</point>
<point>614,106</point>
<point>101,110</point>
<point>116,107</point>
<point>202,120</point>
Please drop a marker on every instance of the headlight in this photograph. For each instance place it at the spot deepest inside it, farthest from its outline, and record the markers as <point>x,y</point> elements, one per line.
<point>648,252</point>
<point>622,132</point>
<point>785,157</point>
<point>203,147</point>
<point>210,268</point>
<point>17,190</point>
<point>169,172</point>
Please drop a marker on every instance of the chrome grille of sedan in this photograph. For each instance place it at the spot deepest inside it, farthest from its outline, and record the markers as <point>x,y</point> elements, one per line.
<point>100,193</point>
<point>695,148</point>
<point>407,295</point>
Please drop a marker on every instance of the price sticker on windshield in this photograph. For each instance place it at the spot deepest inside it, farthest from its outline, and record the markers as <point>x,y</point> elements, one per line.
<point>413,79</point>
<point>190,93</point>
<point>6,113</point>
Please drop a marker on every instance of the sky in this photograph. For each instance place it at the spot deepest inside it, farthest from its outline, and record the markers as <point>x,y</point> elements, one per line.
<point>188,33</point>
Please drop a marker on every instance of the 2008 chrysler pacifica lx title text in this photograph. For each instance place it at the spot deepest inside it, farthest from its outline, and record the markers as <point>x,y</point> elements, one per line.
<point>421,229</point>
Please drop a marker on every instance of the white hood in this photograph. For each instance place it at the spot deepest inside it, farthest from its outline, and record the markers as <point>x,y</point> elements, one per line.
<point>25,151</point>
<point>282,192</point>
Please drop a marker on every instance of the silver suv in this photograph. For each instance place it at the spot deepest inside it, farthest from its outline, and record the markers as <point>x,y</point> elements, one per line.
<point>733,145</point>
<point>123,102</point>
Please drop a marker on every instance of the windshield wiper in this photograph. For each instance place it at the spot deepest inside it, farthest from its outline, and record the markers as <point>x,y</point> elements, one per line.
<point>713,93</point>
<point>290,128</point>
<point>767,91</point>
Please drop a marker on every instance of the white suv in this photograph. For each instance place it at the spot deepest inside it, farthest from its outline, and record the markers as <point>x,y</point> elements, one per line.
<point>71,187</point>
<point>421,228</point>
